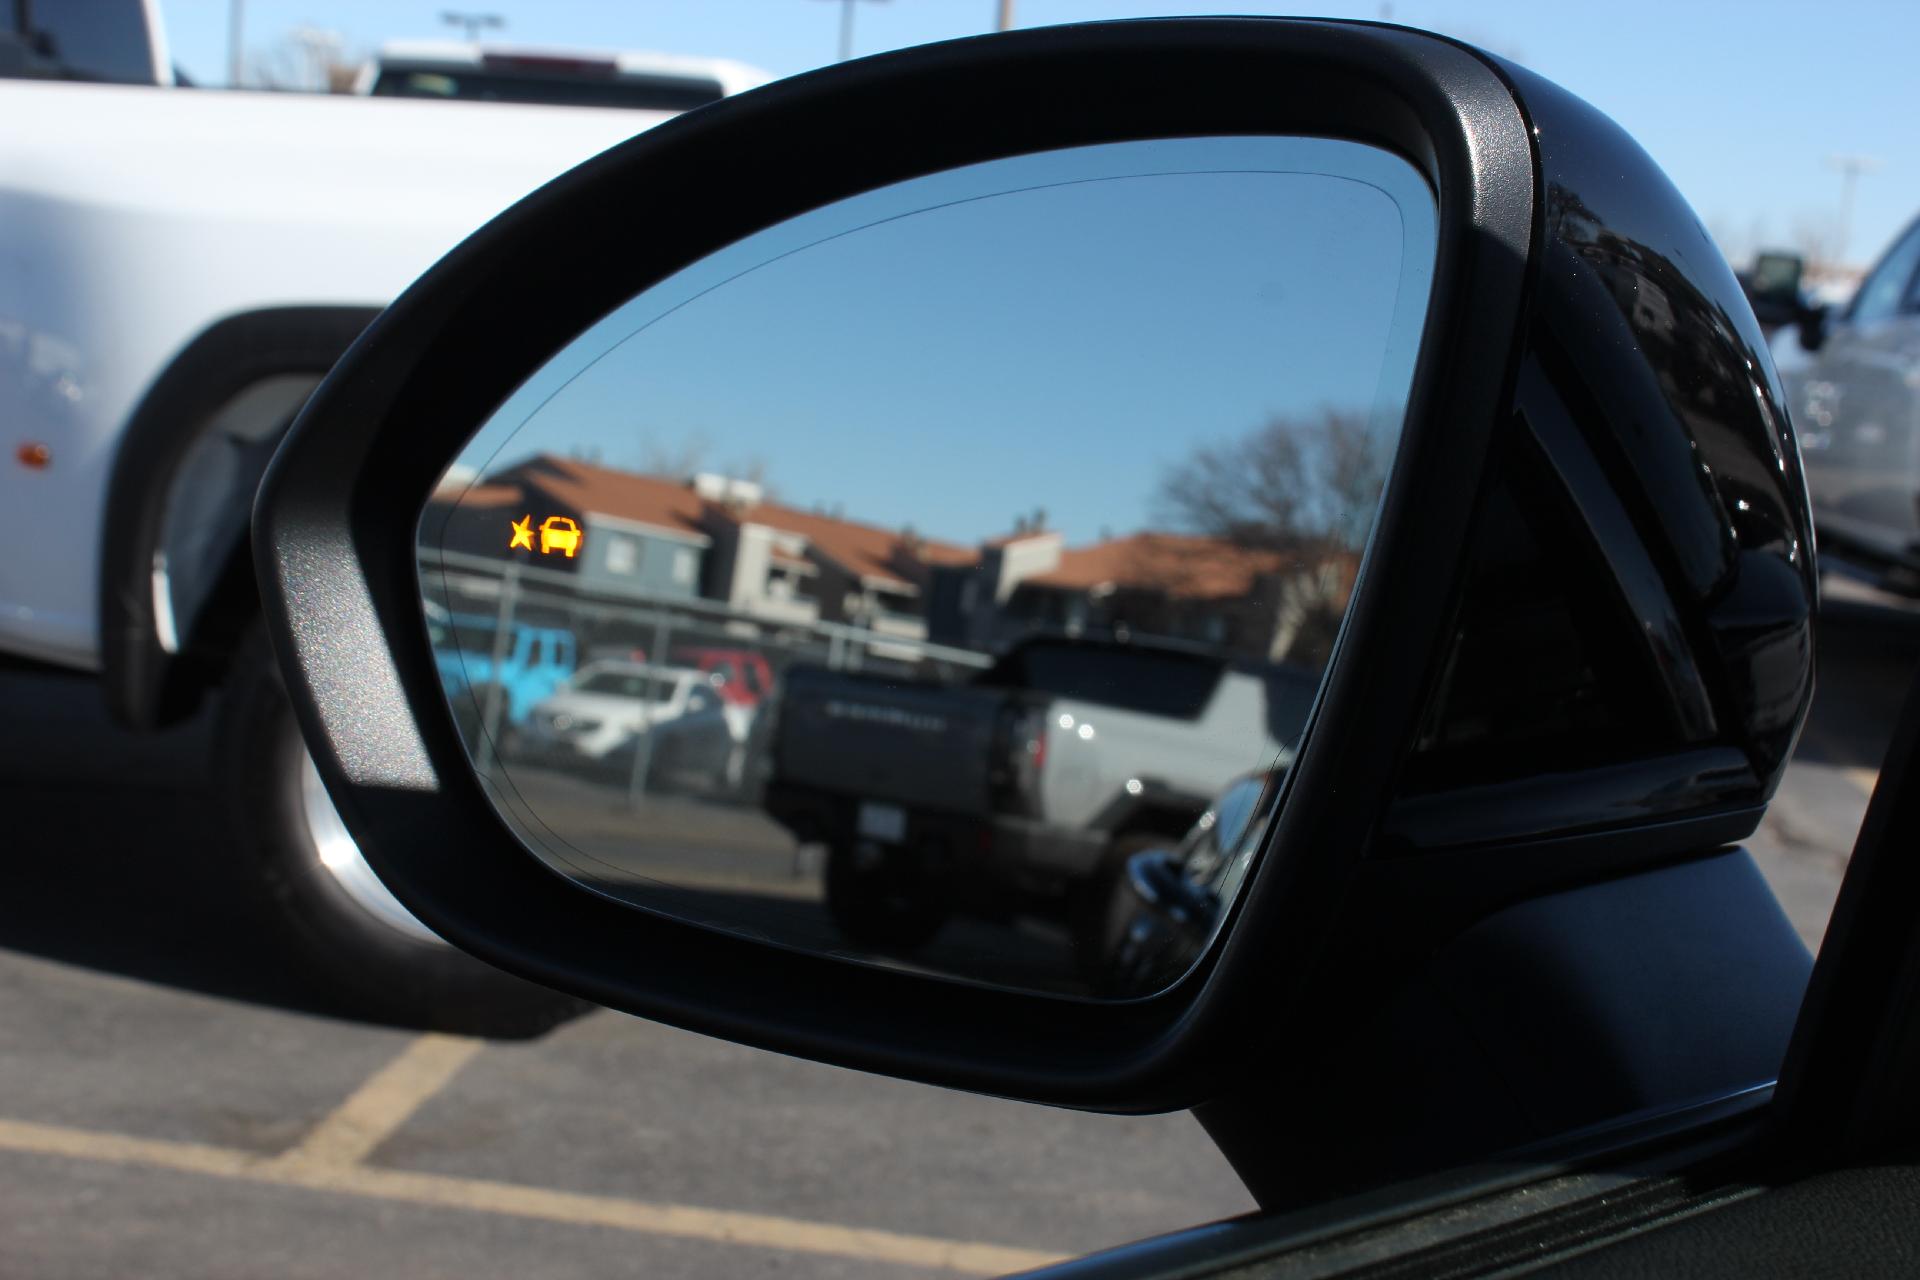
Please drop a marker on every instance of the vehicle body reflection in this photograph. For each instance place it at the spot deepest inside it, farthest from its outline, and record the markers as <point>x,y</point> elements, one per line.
<point>1165,907</point>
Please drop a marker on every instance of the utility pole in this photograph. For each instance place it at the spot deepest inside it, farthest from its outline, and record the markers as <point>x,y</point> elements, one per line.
<point>236,18</point>
<point>846,27</point>
<point>1006,16</point>
<point>1850,167</point>
<point>472,23</point>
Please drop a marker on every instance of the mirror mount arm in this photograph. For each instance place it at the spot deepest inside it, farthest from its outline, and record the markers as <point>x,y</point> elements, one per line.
<point>1531,1024</point>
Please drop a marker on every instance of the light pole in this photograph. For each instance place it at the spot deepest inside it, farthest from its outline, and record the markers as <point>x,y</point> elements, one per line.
<point>846,27</point>
<point>471,23</point>
<point>236,17</point>
<point>1850,167</point>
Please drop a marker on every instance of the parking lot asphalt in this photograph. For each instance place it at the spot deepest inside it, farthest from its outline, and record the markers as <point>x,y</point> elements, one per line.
<point>1867,655</point>
<point>162,1070</point>
<point>173,1101</point>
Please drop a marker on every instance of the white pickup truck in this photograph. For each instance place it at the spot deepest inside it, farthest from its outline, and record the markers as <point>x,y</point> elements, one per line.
<point>178,269</point>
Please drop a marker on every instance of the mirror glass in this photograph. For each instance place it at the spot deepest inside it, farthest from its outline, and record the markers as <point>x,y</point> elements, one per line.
<point>944,578</point>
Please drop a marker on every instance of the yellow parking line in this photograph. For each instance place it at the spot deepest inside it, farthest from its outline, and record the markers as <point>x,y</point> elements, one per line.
<point>481,1196</point>
<point>377,1108</point>
<point>1863,778</point>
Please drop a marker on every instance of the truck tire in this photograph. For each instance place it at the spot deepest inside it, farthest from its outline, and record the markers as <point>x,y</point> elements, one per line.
<point>342,925</point>
<point>886,901</point>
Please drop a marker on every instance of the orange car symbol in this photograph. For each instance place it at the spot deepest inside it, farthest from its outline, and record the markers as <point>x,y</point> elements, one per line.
<point>558,533</point>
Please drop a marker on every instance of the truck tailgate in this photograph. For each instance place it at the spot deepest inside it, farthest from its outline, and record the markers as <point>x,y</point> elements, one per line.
<point>920,745</point>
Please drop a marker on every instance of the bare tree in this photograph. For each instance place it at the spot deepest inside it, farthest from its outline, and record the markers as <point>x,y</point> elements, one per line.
<point>1301,494</point>
<point>305,59</point>
<point>754,469</point>
<point>678,461</point>
<point>1304,487</point>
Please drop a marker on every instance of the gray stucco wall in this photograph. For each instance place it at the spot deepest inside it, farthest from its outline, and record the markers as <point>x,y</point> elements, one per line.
<point>626,558</point>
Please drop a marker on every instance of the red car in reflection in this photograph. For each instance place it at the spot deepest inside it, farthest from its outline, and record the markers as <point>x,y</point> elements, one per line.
<point>747,676</point>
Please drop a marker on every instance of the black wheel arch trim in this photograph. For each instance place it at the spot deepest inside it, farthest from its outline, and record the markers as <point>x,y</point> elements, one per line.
<point>146,687</point>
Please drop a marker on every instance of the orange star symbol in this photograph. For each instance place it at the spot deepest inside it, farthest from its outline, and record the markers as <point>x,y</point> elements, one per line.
<point>522,533</point>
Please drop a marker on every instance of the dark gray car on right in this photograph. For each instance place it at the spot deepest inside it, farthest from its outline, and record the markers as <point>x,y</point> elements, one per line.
<point>1856,405</point>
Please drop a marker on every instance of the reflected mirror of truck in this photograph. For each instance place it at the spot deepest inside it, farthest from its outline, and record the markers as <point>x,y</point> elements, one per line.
<point>882,584</point>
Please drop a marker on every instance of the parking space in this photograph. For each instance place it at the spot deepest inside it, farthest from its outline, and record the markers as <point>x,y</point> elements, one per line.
<point>1868,645</point>
<point>159,1061</point>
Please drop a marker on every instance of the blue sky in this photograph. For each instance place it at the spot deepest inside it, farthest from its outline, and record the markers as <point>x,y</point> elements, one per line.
<point>973,356</point>
<point>1742,103</point>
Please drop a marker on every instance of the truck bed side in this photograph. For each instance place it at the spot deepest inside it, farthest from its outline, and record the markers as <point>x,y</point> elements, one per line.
<point>919,744</point>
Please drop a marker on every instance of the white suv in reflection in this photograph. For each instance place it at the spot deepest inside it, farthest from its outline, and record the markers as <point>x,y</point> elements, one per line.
<point>612,708</point>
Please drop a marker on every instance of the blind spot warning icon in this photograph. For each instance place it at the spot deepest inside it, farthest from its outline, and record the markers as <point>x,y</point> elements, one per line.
<point>558,533</point>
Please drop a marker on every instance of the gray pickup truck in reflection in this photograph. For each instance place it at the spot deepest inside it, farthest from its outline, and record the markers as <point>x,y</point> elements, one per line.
<point>1022,792</point>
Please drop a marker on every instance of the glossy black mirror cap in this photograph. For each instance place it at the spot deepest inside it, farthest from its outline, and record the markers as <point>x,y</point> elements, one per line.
<point>1649,422</point>
<point>335,526</point>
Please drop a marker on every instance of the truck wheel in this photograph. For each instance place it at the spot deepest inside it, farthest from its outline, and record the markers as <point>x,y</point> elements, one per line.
<point>341,924</point>
<point>882,899</point>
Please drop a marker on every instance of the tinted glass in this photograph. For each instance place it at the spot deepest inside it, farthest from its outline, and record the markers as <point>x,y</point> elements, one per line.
<point>662,93</point>
<point>1159,681</point>
<point>1037,491</point>
<point>1881,293</point>
<point>96,40</point>
<point>1234,812</point>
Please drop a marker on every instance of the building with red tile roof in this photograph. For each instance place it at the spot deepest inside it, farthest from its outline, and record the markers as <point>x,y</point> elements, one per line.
<point>722,539</point>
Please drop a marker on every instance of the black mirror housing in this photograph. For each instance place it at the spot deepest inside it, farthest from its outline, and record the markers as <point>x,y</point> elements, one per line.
<point>1592,390</point>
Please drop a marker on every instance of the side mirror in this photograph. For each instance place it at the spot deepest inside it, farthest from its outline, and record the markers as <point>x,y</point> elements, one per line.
<point>1310,415</point>
<point>1812,323</point>
<point>1773,288</point>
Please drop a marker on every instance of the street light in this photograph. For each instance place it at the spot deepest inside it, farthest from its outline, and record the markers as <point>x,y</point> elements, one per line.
<point>846,27</point>
<point>472,23</point>
<point>236,21</point>
<point>1850,167</point>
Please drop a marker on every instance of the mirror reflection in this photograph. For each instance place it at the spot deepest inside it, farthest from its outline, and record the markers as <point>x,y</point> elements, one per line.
<point>945,577</point>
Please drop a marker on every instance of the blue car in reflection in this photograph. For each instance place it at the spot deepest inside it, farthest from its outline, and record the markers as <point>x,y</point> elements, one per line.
<point>525,664</point>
